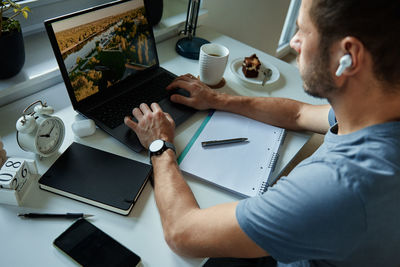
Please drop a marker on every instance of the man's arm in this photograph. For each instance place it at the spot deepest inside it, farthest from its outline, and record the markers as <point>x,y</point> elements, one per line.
<point>188,230</point>
<point>281,112</point>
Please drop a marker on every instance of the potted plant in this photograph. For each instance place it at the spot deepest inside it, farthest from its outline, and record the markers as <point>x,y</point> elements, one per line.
<point>12,53</point>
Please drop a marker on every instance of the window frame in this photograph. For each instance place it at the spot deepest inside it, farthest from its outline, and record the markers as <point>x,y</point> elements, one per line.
<point>46,9</point>
<point>289,29</point>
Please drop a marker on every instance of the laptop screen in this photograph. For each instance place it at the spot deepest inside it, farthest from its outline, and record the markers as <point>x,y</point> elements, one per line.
<point>103,46</point>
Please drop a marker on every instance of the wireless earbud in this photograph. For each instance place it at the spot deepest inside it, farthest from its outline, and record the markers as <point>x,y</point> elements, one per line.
<point>344,63</point>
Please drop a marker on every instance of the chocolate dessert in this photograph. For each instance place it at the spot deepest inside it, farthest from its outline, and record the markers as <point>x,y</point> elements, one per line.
<point>251,66</point>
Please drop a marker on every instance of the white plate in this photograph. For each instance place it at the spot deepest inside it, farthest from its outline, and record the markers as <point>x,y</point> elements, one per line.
<point>236,68</point>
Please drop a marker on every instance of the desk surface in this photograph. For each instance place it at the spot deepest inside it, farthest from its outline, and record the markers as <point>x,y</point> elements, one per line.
<point>29,242</point>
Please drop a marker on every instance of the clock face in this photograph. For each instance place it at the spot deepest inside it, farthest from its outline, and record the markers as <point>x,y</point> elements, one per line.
<point>49,136</point>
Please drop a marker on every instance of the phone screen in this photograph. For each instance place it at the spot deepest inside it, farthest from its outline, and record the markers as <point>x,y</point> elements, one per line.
<point>90,246</point>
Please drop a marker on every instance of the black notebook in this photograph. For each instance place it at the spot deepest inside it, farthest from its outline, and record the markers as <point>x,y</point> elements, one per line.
<point>98,178</point>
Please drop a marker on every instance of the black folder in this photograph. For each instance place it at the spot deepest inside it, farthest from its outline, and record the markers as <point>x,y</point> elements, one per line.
<point>97,177</point>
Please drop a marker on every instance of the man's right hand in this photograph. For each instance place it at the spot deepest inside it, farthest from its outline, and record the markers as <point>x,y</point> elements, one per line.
<point>201,96</point>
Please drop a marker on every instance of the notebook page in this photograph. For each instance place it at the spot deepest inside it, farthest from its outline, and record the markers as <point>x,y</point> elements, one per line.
<point>239,167</point>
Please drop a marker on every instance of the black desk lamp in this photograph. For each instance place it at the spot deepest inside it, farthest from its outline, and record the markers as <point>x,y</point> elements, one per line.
<point>190,46</point>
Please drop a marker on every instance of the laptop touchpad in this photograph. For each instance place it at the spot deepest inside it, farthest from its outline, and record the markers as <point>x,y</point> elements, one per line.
<point>178,112</point>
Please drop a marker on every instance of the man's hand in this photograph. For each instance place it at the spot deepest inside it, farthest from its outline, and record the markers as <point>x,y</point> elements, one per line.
<point>152,124</point>
<point>201,96</point>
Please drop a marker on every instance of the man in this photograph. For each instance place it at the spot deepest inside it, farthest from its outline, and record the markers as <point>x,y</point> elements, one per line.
<point>340,207</point>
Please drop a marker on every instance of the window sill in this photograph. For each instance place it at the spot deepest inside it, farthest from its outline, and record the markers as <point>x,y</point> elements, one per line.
<point>41,69</point>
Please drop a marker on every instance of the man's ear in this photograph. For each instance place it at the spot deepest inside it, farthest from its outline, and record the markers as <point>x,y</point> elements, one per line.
<point>352,47</point>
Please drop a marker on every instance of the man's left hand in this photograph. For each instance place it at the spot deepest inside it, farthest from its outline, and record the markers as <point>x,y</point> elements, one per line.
<point>152,124</point>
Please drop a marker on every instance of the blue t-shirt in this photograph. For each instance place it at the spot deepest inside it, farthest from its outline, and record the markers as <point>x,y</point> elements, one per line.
<point>339,207</point>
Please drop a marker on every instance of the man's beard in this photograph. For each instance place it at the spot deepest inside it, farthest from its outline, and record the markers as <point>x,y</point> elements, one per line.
<point>317,80</point>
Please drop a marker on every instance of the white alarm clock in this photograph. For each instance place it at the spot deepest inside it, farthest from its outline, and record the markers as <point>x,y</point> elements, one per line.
<point>38,131</point>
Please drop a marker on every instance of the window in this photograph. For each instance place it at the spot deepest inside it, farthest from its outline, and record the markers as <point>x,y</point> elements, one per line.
<point>45,9</point>
<point>289,28</point>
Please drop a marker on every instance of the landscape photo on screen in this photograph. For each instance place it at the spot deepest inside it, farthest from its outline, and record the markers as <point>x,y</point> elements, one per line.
<point>103,47</point>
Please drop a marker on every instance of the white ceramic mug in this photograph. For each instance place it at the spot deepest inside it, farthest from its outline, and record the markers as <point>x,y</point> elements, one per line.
<point>212,63</point>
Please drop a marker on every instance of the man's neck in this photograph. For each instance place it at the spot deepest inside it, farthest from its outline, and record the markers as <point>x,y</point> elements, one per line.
<point>366,105</point>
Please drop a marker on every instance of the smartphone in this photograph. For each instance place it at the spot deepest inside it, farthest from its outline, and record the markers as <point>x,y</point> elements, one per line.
<point>89,246</point>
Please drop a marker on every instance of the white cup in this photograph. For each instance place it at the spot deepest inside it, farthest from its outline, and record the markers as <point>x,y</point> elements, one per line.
<point>212,63</point>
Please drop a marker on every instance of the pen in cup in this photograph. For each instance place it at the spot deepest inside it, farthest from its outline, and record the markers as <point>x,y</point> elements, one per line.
<point>223,142</point>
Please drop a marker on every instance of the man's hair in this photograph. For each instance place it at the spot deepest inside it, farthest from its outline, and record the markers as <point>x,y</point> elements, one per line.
<point>376,23</point>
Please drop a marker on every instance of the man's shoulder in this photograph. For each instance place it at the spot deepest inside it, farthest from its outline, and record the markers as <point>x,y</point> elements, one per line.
<point>367,150</point>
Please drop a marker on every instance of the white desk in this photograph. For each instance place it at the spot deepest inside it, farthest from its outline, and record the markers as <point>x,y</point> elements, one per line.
<point>29,242</point>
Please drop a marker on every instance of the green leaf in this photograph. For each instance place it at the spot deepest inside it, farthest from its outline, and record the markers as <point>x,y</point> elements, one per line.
<point>9,24</point>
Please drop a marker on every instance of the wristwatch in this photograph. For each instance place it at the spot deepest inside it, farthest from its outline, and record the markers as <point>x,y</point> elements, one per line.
<point>158,146</point>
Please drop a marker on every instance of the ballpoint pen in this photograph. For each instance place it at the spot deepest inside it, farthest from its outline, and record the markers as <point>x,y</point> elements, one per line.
<point>223,142</point>
<point>55,215</point>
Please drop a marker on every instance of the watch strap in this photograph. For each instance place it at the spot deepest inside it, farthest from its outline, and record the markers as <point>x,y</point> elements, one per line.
<point>170,146</point>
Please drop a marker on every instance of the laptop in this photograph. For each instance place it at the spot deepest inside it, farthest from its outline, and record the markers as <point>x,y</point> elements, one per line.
<point>108,60</point>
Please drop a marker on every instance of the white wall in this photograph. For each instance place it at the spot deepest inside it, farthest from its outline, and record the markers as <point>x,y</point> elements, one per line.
<point>255,22</point>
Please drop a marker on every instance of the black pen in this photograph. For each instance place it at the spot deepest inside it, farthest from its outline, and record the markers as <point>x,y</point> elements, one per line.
<point>55,215</point>
<point>222,142</point>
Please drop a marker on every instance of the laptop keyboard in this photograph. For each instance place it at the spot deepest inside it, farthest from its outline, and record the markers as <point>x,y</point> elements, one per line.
<point>113,112</point>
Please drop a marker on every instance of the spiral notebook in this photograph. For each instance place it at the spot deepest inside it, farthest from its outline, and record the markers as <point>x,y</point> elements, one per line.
<point>243,168</point>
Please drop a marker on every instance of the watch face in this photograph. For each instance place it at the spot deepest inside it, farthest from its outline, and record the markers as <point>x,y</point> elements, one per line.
<point>49,136</point>
<point>156,145</point>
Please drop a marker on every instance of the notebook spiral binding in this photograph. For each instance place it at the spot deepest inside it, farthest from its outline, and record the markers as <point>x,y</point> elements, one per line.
<point>281,136</point>
<point>274,160</point>
<point>263,188</point>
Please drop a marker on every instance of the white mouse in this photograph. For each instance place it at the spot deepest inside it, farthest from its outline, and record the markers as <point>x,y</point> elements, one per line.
<point>83,128</point>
